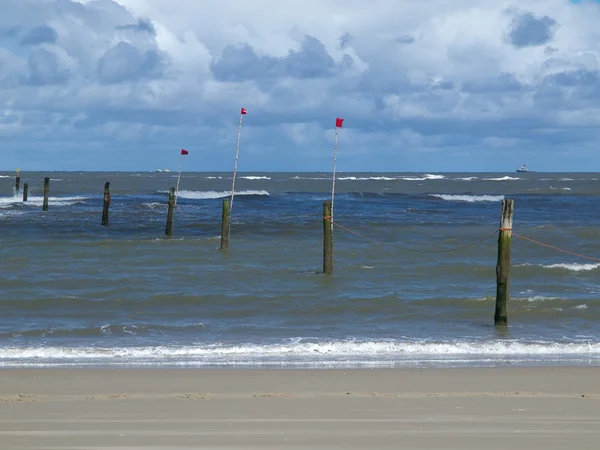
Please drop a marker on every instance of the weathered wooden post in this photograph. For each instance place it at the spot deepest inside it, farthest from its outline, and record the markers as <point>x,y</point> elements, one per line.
<point>169,228</point>
<point>225,224</point>
<point>106,203</point>
<point>46,191</point>
<point>327,238</point>
<point>25,188</point>
<point>503,265</point>
<point>18,181</point>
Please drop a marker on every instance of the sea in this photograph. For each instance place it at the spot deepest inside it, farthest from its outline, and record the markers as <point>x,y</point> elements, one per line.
<point>414,281</point>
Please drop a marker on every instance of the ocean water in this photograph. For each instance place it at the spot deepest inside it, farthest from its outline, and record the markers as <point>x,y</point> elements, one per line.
<point>75,293</point>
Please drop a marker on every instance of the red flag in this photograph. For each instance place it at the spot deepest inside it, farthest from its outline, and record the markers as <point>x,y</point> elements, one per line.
<point>338,122</point>
<point>184,151</point>
<point>243,111</point>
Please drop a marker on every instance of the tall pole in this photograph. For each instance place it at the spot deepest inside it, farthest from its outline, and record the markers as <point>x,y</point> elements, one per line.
<point>334,164</point>
<point>178,177</point>
<point>237,153</point>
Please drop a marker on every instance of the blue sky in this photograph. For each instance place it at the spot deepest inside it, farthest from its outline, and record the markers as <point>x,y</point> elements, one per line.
<point>428,85</point>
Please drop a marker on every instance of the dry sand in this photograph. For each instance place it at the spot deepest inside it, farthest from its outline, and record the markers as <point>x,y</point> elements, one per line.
<point>497,408</point>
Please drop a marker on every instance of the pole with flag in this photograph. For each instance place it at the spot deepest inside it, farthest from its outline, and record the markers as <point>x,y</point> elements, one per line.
<point>243,112</point>
<point>338,124</point>
<point>183,152</point>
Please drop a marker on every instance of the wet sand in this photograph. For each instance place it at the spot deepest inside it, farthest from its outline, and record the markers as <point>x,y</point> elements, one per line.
<point>477,408</point>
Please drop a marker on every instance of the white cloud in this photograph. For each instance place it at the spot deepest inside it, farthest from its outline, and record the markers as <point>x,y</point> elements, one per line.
<point>443,76</point>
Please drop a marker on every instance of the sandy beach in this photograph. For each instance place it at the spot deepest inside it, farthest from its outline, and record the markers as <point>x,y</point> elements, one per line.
<point>491,408</point>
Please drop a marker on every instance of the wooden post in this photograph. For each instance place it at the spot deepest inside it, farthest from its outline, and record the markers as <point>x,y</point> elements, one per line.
<point>106,203</point>
<point>25,187</point>
<point>17,183</point>
<point>327,238</point>
<point>46,190</point>
<point>169,228</point>
<point>225,224</point>
<point>503,265</point>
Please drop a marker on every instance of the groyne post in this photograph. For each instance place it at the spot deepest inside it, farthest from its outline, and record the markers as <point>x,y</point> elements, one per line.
<point>503,265</point>
<point>225,224</point>
<point>18,182</point>
<point>327,238</point>
<point>25,188</point>
<point>46,191</point>
<point>106,203</point>
<point>169,228</point>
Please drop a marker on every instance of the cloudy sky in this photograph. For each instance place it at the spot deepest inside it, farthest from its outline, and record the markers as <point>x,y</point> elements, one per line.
<point>423,85</point>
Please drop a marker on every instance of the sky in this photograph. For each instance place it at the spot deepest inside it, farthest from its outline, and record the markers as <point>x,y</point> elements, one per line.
<point>422,85</point>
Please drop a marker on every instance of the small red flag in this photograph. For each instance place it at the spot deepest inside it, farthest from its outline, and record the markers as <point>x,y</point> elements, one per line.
<point>243,111</point>
<point>338,122</point>
<point>184,151</point>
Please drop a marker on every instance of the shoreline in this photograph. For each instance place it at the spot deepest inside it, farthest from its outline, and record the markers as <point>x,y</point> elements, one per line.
<point>450,408</point>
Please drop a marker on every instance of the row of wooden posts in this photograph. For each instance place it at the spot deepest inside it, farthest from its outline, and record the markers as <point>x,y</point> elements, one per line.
<point>504,239</point>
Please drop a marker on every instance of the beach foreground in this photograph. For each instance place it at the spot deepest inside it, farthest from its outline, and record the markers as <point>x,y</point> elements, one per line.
<point>491,408</point>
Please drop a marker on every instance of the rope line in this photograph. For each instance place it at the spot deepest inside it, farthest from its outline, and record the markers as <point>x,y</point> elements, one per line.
<point>555,248</point>
<point>461,247</point>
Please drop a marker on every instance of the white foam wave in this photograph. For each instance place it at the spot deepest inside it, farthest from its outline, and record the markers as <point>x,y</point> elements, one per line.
<point>5,176</point>
<point>305,351</point>
<point>309,178</point>
<point>469,198</point>
<point>6,202</point>
<point>574,267</point>
<point>467,178</point>
<point>366,178</point>
<point>427,176</point>
<point>214,178</point>
<point>203,195</point>
<point>253,177</point>
<point>506,178</point>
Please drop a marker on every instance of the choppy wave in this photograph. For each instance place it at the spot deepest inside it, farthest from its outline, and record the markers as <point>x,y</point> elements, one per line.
<point>467,178</point>
<point>6,202</point>
<point>204,195</point>
<point>469,198</point>
<point>254,177</point>
<point>506,178</point>
<point>575,267</point>
<point>366,178</point>
<point>294,353</point>
<point>427,176</point>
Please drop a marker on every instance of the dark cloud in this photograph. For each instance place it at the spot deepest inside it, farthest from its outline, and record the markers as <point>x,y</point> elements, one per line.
<point>345,40</point>
<point>124,62</point>
<point>40,35</point>
<point>10,32</point>
<point>527,30</point>
<point>505,82</point>
<point>45,68</point>
<point>143,25</point>
<point>240,63</point>
<point>405,39</point>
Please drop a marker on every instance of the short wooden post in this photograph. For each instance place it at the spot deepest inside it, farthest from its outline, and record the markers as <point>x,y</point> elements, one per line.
<point>503,265</point>
<point>327,238</point>
<point>225,225</point>
<point>169,228</point>
<point>25,188</point>
<point>106,203</point>
<point>17,183</point>
<point>46,191</point>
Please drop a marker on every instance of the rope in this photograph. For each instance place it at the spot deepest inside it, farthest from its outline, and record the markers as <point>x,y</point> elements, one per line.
<point>555,248</point>
<point>328,218</point>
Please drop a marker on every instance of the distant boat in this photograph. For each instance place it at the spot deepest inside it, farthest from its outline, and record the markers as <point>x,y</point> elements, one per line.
<point>524,168</point>
<point>163,170</point>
